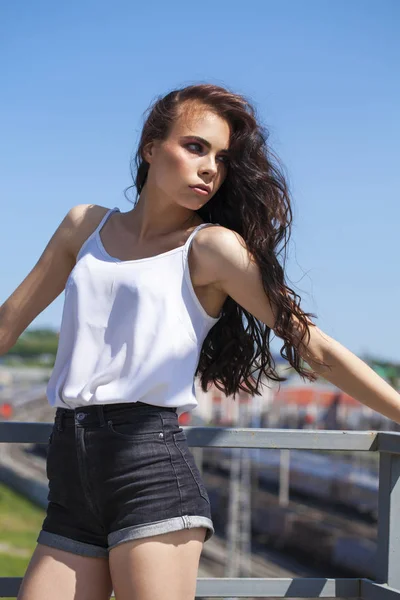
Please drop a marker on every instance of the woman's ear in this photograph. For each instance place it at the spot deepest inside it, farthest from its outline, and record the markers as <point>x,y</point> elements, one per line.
<point>148,152</point>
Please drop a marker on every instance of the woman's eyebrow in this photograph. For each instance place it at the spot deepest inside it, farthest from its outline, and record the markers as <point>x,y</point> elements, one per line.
<point>204,141</point>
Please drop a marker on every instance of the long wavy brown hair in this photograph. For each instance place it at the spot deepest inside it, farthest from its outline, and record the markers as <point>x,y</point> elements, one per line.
<point>254,201</point>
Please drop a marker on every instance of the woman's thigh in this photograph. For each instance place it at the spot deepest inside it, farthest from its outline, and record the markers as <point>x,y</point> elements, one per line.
<point>54,573</point>
<point>160,567</point>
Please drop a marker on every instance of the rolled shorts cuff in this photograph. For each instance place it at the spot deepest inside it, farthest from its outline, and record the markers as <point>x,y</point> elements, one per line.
<point>156,527</point>
<point>63,543</point>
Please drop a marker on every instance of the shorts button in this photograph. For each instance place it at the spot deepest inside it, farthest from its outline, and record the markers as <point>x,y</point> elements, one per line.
<point>80,416</point>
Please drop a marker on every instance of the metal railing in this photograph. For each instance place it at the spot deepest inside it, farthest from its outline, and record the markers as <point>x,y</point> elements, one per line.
<point>386,584</point>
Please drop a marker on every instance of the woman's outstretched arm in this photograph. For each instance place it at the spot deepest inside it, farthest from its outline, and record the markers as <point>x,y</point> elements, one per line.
<point>224,256</point>
<point>48,277</point>
<point>351,374</point>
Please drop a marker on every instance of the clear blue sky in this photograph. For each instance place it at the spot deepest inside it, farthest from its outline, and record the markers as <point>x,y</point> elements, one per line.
<point>76,78</point>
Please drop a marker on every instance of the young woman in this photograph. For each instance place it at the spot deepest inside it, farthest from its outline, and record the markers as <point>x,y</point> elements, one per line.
<point>153,297</point>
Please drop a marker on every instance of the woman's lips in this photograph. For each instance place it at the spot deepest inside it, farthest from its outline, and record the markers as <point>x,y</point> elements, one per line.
<point>199,190</point>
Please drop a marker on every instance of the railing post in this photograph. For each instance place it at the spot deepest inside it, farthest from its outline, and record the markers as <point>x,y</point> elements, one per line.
<point>388,549</point>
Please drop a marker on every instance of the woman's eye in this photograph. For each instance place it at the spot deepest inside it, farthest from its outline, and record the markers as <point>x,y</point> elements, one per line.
<point>193,144</point>
<point>225,159</point>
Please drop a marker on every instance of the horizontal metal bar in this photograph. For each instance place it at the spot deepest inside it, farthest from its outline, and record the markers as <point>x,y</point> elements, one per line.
<point>306,587</point>
<point>228,437</point>
<point>281,438</point>
<point>249,587</point>
<point>20,432</point>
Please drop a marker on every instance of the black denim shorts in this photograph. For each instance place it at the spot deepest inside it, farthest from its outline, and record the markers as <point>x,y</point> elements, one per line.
<point>119,472</point>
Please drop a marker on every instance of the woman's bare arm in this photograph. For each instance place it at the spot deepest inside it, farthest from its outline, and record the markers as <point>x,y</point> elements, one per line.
<point>225,258</point>
<point>351,374</point>
<point>48,277</point>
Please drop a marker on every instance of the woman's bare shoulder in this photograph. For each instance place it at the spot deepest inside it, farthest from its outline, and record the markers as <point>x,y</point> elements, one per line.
<point>83,219</point>
<point>48,277</point>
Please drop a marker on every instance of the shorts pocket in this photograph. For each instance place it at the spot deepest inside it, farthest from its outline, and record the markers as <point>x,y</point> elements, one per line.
<point>131,431</point>
<point>181,444</point>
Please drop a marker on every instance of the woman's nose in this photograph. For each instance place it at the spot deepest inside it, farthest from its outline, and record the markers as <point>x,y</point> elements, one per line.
<point>209,167</point>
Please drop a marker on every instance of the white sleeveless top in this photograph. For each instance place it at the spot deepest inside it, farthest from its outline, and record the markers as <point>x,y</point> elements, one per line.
<point>131,330</point>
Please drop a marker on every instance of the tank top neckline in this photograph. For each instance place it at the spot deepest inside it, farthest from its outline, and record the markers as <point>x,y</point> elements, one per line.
<point>139,260</point>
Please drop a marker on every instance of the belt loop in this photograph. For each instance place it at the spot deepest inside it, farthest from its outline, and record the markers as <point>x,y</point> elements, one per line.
<point>59,419</point>
<point>100,414</point>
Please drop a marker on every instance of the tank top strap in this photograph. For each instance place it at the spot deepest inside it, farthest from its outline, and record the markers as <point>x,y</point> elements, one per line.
<point>191,236</point>
<point>104,219</point>
<point>95,232</point>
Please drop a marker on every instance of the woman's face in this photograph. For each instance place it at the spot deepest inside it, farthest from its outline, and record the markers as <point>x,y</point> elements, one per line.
<point>182,161</point>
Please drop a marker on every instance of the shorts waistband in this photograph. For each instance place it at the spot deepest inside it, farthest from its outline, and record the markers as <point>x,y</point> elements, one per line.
<point>98,413</point>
